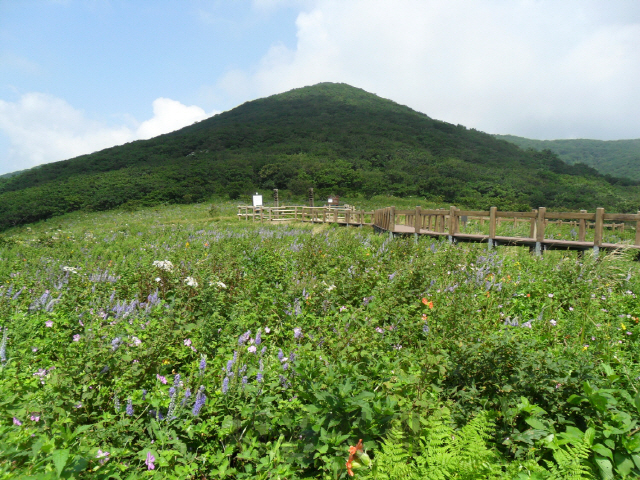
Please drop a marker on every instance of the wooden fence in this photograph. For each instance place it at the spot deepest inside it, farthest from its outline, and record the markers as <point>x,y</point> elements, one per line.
<point>340,215</point>
<point>437,223</point>
<point>451,223</point>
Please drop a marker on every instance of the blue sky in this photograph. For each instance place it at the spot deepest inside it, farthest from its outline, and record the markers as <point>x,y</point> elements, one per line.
<point>77,76</point>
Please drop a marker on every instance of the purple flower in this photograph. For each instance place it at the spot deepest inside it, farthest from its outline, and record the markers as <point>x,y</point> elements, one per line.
<point>259,377</point>
<point>49,323</point>
<point>252,349</point>
<point>225,385</point>
<point>176,380</point>
<point>258,337</point>
<point>187,342</point>
<point>129,408</point>
<point>144,394</point>
<point>297,333</point>
<point>187,394</point>
<point>553,323</point>
<point>425,329</point>
<point>200,401</point>
<point>244,381</point>
<point>280,355</point>
<point>391,277</point>
<point>35,418</point>
<point>244,337</point>
<point>16,421</point>
<point>203,364</point>
<point>76,338</point>
<point>149,461</point>
<point>526,325</point>
<point>285,366</point>
<point>264,349</point>
<point>162,379</point>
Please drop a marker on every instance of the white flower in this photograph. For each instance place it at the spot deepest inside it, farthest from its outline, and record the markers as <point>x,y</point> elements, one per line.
<point>136,341</point>
<point>165,265</point>
<point>192,282</point>
<point>330,288</point>
<point>267,330</point>
<point>157,279</point>
<point>252,349</point>
<point>217,284</point>
<point>70,269</point>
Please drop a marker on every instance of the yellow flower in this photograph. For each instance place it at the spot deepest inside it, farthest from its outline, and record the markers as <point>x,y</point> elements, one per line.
<point>165,362</point>
<point>623,327</point>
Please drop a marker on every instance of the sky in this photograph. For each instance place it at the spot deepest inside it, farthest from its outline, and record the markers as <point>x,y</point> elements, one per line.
<point>78,76</point>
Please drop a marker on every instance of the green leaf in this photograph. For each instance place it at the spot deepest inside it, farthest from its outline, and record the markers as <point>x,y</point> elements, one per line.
<point>636,400</point>
<point>535,423</point>
<point>623,462</point>
<point>602,450</point>
<point>60,458</point>
<point>606,469</point>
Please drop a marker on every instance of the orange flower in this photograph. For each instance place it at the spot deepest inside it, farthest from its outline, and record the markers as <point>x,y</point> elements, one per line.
<point>424,317</point>
<point>528,295</point>
<point>352,454</point>
<point>428,303</point>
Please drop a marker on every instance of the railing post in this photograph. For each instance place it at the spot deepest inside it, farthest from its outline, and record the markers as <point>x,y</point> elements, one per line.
<point>492,226</point>
<point>598,230</point>
<point>540,223</point>
<point>392,218</point>
<point>582,230</point>
<point>452,224</point>
<point>417,220</point>
<point>347,217</point>
<point>532,224</point>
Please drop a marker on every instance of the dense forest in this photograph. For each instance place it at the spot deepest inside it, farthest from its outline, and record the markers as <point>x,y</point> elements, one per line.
<point>333,137</point>
<point>615,158</point>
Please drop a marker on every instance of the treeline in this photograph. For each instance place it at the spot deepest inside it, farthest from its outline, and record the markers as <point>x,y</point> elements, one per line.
<point>334,138</point>
<point>617,160</point>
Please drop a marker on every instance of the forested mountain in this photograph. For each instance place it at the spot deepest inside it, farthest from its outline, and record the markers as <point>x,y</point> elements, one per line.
<point>333,137</point>
<point>618,158</point>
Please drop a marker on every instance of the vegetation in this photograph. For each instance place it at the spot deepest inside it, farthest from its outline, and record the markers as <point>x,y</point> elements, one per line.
<point>614,158</point>
<point>333,137</point>
<point>167,343</point>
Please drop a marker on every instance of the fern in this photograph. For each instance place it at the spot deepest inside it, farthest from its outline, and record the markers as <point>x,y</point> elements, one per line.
<point>571,463</point>
<point>445,453</point>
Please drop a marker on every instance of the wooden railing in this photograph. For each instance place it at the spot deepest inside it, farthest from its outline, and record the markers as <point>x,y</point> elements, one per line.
<point>453,222</point>
<point>347,216</point>
<point>444,222</point>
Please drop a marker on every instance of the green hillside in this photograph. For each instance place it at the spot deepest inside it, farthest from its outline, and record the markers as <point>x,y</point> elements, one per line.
<point>618,158</point>
<point>333,137</point>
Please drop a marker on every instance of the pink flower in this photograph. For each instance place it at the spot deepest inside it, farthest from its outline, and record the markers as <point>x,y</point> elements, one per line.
<point>76,338</point>
<point>103,456</point>
<point>187,342</point>
<point>35,418</point>
<point>252,349</point>
<point>149,461</point>
<point>49,323</point>
<point>162,379</point>
<point>16,421</point>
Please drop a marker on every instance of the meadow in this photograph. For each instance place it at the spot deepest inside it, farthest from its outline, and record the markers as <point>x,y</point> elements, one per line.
<point>178,342</point>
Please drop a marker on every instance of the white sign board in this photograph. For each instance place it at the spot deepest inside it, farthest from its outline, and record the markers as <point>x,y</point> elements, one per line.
<point>257,200</point>
<point>330,200</point>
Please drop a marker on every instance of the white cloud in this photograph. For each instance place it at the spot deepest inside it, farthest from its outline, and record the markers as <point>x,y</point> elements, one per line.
<point>42,128</point>
<point>543,68</point>
<point>169,115</point>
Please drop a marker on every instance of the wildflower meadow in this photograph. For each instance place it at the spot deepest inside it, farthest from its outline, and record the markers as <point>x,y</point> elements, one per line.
<point>170,343</point>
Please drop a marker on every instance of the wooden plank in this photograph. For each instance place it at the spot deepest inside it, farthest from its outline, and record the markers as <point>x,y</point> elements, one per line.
<point>515,214</point>
<point>582,230</point>
<point>599,228</point>
<point>570,215</point>
<point>622,217</point>
<point>417,220</point>
<point>473,213</point>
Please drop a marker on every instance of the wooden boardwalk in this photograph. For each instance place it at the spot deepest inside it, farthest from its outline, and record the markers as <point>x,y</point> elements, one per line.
<point>447,223</point>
